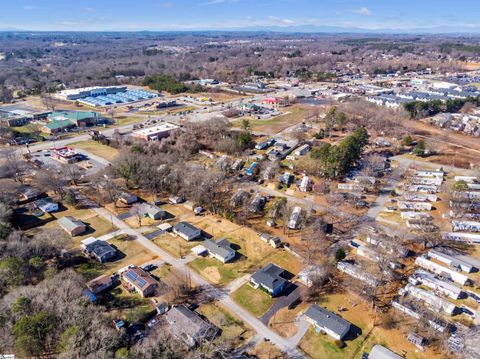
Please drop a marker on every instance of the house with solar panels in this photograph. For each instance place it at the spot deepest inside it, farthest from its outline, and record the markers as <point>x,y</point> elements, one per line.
<point>135,279</point>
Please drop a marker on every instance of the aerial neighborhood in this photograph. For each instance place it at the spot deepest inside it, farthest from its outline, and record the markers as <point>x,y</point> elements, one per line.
<point>239,194</point>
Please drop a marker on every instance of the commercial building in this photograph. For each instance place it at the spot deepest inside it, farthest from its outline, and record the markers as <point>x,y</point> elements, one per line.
<point>105,96</point>
<point>155,133</point>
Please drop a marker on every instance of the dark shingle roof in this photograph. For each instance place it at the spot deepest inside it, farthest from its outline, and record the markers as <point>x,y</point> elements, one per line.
<point>327,319</point>
<point>222,247</point>
<point>269,276</point>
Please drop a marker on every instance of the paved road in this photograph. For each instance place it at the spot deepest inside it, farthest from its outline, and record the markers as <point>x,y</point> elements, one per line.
<point>282,343</point>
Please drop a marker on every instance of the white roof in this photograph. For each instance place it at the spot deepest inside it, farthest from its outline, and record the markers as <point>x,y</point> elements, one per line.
<point>156,129</point>
<point>164,226</point>
<point>88,241</point>
<point>199,250</point>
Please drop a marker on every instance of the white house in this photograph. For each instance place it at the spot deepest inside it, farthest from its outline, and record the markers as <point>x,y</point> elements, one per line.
<point>187,231</point>
<point>426,263</point>
<point>462,237</point>
<point>302,150</point>
<point>465,226</point>
<point>414,206</point>
<point>433,301</point>
<point>328,322</point>
<point>451,261</point>
<point>294,218</point>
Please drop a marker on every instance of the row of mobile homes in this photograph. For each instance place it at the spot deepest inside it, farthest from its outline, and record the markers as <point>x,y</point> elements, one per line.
<point>420,197</point>
<point>437,285</point>
<point>472,238</point>
<point>427,173</point>
<point>425,262</point>
<point>422,189</point>
<point>433,301</point>
<point>414,206</point>
<point>427,181</point>
<point>451,261</point>
<point>465,226</point>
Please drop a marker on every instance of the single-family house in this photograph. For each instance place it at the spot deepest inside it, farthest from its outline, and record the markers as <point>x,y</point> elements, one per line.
<point>302,150</point>
<point>29,193</point>
<point>176,200</point>
<point>152,211</point>
<point>99,284</point>
<point>187,231</point>
<point>46,205</point>
<point>220,249</point>
<point>294,218</point>
<point>270,279</point>
<point>72,226</point>
<point>127,198</point>
<point>380,352</point>
<point>140,281</point>
<point>188,326</point>
<point>328,322</point>
<point>257,204</point>
<point>102,251</point>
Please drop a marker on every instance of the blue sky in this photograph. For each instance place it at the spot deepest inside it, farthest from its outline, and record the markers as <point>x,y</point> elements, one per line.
<point>133,15</point>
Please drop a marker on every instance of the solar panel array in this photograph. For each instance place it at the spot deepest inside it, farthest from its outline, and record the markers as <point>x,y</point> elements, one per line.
<point>131,275</point>
<point>141,282</point>
<point>118,98</point>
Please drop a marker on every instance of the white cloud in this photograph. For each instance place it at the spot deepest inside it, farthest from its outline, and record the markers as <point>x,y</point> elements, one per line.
<point>88,9</point>
<point>280,21</point>
<point>363,11</point>
<point>29,7</point>
<point>218,2</point>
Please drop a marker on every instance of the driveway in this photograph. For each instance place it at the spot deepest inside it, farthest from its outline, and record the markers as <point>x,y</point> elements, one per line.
<point>295,292</point>
<point>221,295</point>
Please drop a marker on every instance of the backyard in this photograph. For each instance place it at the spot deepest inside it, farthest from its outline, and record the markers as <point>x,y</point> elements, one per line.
<point>256,301</point>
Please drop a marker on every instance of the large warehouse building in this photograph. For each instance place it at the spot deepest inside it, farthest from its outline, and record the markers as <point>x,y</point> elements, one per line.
<point>105,96</point>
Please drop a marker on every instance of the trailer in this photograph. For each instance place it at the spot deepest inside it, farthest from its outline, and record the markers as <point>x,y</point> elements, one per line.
<point>414,206</point>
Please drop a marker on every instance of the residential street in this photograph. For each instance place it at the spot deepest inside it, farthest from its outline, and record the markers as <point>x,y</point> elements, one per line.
<point>286,345</point>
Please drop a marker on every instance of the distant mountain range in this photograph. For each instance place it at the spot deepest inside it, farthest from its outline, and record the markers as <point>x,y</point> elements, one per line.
<point>308,29</point>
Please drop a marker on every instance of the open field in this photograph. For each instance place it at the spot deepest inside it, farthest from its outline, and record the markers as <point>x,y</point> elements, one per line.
<point>97,148</point>
<point>256,301</point>
<point>176,246</point>
<point>292,115</point>
<point>233,330</point>
<point>123,120</point>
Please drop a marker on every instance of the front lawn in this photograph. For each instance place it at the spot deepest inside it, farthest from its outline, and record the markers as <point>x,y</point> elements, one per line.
<point>256,301</point>
<point>215,271</point>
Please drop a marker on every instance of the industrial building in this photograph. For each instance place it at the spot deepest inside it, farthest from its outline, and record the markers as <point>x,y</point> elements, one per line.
<point>105,96</point>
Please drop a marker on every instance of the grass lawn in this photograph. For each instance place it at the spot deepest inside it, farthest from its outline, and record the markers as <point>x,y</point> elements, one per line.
<point>97,226</point>
<point>175,245</point>
<point>214,270</point>
<point>134,253</point>
<point>233,330</point>
<point>97,148</point>
<point>256,301</point>
<point>292,115</point>
<point>127,120</point>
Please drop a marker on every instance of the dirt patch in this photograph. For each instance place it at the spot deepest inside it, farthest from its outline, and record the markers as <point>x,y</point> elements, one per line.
<point>212,274</point>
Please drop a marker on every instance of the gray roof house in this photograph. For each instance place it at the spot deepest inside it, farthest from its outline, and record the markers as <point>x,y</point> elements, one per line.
<point>72,226</point>
<point>188,326</point>
<point>152,211</point>
<point>187,231</point>
<point>127,198</point>
<point>330,323</point>
<point>220,249</point>
<point>380,352</point>
<point>100,250</point>
<point>269,278</point>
